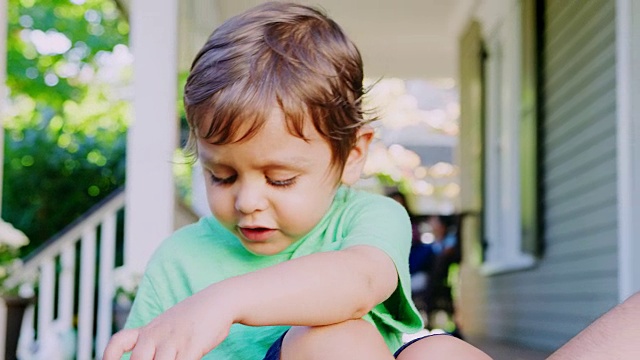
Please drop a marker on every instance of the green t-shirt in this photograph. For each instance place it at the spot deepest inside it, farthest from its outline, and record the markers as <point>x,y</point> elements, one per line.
<point>205,253</point>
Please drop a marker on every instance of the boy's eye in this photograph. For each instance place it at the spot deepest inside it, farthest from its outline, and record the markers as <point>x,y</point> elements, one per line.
<point>282,183</point>
<point>222,181</point>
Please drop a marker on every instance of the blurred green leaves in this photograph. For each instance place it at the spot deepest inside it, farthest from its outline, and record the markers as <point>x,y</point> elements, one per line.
<point>91,28</point>
<point>68,72</point>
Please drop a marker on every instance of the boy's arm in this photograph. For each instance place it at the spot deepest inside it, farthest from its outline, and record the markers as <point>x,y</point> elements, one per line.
<point>318,289</point>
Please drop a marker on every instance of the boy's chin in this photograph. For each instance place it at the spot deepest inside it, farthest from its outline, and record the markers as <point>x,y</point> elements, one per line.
<point>264,249</point>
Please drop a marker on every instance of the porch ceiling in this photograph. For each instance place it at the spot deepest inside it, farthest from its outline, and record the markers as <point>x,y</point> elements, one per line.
<point>401,38</point>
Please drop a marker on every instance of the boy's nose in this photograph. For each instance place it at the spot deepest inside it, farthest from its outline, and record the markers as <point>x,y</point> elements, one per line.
<point>250,199</point>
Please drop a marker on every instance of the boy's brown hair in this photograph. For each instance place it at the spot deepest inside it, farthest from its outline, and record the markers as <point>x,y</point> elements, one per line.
<point>281,54</point>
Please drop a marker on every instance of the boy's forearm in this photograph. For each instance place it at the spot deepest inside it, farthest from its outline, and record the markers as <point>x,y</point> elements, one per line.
<point>319,289</point>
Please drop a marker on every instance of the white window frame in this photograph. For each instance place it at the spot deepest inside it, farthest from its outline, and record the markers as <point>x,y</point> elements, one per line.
<point>502,212</point>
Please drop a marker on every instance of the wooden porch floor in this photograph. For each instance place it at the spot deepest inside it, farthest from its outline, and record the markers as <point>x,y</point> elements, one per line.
<point>499,350</point>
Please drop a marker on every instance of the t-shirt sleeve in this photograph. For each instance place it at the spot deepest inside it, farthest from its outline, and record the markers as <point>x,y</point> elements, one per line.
<point>146,305</point>
<point>145,308</point>
<point>383,223</point>
<point>160,287</point>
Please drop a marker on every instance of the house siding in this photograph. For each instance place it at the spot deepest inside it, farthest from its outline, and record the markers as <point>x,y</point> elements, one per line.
<point>580,268</point>
<point>576,279</point>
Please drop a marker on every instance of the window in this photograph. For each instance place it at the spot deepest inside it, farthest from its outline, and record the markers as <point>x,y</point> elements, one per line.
<point>507,113</point>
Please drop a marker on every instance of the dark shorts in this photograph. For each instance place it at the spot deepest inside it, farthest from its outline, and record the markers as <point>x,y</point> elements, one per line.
<point>274,350</point>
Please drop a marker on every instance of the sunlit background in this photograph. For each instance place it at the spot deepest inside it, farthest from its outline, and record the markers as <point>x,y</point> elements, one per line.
<point>417,134</point>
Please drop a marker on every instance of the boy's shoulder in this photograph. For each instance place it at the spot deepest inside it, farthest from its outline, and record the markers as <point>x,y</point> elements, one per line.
<point>363,199</point>
<point>351,194</point>
<point>356,208</point>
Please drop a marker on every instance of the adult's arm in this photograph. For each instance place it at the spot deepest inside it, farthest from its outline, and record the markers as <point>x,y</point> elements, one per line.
<point>613,336</point>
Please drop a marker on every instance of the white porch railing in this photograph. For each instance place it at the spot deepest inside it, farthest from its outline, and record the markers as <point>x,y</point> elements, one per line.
<point>69,260</point>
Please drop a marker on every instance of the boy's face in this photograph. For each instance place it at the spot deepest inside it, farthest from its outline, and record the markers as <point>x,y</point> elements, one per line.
<point>271,189</point>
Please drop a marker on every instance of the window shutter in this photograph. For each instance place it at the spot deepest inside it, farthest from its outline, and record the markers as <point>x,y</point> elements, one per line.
<point>529,129</point>
<point>471,158</point>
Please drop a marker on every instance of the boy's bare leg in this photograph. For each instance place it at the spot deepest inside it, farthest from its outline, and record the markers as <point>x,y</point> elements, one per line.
<point>349,340</point>
<point>442,347</point>
<point>613,336</point>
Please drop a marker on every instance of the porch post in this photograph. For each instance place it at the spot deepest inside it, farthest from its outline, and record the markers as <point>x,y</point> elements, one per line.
<point>628,128</point>
<point>153,136</point>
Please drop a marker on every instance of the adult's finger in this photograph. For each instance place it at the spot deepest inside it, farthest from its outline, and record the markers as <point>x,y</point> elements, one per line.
<point>120,343</point>
<point>165,352</point>
<point>145,349</point>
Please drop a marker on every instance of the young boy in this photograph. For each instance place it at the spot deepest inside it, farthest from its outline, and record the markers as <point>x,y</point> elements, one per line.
<point>293,264</point>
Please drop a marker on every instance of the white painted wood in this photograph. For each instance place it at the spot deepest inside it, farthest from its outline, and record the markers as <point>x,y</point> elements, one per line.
<point>628,129</point>
<point>492,145</point>
<point>46,295</point>
<point>67,286</point>
<point>3,329</point>
<point>87,288</point>
<point>200,204</point>
<point>461,12</point>
<point>401,38</point>
<point>27,338</point>
<point>492,13</point>
<point>197,20</point>
<point>70,238</point>
<point>502,176</point>
<point>105,285</point>
<point>152,137</point>
<point>64,247</point>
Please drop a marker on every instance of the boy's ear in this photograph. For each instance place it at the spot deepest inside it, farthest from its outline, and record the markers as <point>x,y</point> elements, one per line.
<point>358,156</point>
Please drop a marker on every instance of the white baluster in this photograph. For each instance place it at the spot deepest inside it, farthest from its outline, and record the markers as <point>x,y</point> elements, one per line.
<point>87,288</point>
<point>26,342</point>
<point>105,289</point>
<point>46,296</point>
<point>51,332</point>
<point>67,285</point>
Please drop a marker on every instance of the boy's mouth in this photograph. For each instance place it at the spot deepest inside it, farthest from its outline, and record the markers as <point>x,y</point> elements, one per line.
<point>256,234</point>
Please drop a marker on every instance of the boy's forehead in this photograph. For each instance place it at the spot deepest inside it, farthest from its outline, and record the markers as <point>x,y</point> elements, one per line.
<point>220,154</point>
<point>247,123</point>
<point>274,144</point>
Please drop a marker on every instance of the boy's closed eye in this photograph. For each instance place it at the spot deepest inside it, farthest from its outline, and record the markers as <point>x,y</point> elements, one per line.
<point>282,183</point>
<point>222,180</point>
<point>285,182</point>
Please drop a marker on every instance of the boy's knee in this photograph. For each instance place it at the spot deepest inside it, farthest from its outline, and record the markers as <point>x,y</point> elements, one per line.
<point>352,339</point>
<point>442,347</point>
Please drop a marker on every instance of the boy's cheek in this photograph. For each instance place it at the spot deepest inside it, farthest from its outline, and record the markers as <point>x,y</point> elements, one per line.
<point>219,206</point>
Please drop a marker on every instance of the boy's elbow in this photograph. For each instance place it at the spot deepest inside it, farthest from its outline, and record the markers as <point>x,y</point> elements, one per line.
<point>373,293</point>
<point>377,277</point>
<point>362,310</point>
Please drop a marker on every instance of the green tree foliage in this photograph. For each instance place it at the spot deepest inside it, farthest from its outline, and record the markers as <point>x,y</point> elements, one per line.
<point>65,127</point>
